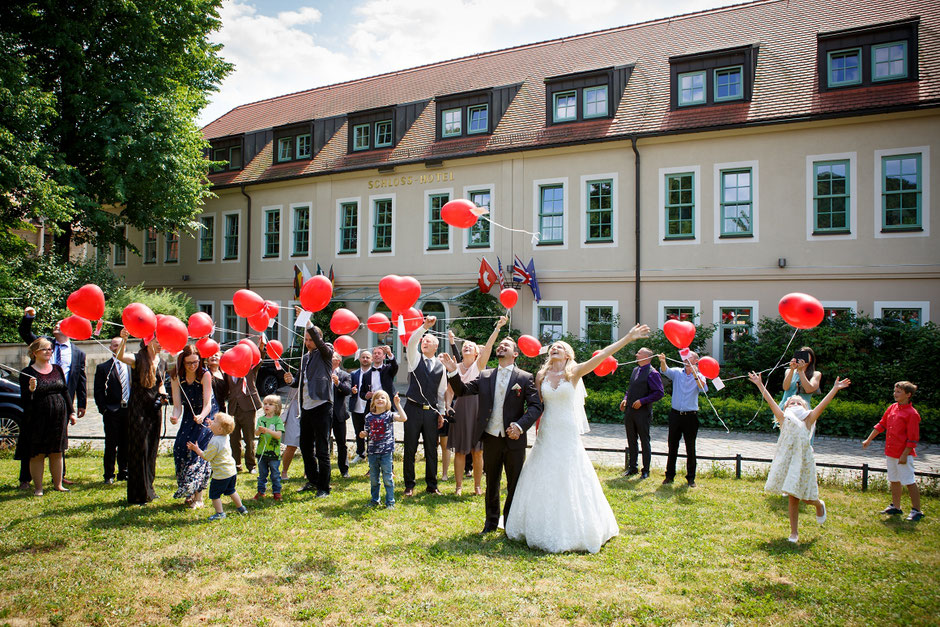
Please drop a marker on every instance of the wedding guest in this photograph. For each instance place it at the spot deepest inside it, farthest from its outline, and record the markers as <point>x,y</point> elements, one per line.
<point>901,426</point>
<point>471,361</point>
<point>687,384</point>
<point>425,405</point>
<point>342,389</point>
<point>219,453</point>
<point>192,399</point>
<point>72,361</point>
<point>364,382</point>
<point>148,396</point>
<point>315,396</point>
<point>112,390</point>
<point>270,430</point>
<point>383,360</point>
<point>646,387</point>
<point>47,408</point>
<point>243,405</point>
<point>802,377</point>
<point>379,430</point>
<point>291,418</point>
<point>793,470</point>
<point>219,381</point>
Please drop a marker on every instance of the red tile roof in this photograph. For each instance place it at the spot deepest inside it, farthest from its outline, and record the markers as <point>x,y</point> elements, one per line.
<point>786,85</point>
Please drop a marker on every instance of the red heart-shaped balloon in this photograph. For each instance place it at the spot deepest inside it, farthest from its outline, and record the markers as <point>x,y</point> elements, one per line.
<point>87,302</point>
<point>679,332</point>
<point>399,292</point>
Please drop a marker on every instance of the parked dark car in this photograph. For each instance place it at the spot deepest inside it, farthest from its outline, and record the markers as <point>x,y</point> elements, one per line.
<point>270,379</point>
<point>11,411</point>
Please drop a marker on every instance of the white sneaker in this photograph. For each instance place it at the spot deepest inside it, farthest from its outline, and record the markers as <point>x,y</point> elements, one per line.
<point>793,539</point>
<point>355,460</point>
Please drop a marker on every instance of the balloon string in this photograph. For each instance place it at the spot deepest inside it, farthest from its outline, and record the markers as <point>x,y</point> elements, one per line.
<point>535,236</point>
<point>779,361</point>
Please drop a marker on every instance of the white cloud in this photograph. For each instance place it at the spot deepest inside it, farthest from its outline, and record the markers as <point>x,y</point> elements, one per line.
<point>283,54</point>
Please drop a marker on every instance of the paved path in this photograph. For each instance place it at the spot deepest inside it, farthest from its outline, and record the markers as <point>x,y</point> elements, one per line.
<point>710,443</point>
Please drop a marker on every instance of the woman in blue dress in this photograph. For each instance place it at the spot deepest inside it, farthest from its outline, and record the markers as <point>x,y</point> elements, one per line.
<point>193,400</point>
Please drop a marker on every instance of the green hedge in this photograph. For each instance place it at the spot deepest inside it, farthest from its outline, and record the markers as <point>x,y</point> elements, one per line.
<point>842,418</point>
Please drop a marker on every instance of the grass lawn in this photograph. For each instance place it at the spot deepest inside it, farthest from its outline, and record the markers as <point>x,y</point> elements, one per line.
<point>715,554</point>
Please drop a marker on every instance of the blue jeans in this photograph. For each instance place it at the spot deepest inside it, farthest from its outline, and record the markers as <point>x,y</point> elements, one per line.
<point>383,462</point>
<point>272,464</point>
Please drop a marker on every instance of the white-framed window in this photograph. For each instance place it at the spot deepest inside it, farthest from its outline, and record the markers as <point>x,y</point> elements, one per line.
<point>271,233</point>
<point>910,200</point>
<point>830,198</point>
<point>382,225</point>
<point>227,325</point>
<point>833,309</point>
<point>348,226</point>
<point>441,311</point>
<point>684,310</point>
<point>437,233</point>
<point>208,307</point>
<point>550,212</point>
<point>680,197</point>
<point>599,322</point>
<point>550,320</point>
<point>915,312</point>
<point>734,319</point>
<point>737,215</point>
<point>206,239</point>
<point>479,237</point>
<point>300,230</point>
<point>599,210</point>
<point>231,240</point>
<point>150,246</point>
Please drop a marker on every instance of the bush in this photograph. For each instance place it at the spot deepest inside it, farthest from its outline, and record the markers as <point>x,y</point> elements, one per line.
<point>163,301</point>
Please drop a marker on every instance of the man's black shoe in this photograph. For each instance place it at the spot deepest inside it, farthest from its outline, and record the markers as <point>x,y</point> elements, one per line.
<point>322,493</point>
<point>630,473</point>
<point>308,487</point>
<point>645,475</point>
<point>667,481</point>
<point>488,529</point>
<point>691,484</point>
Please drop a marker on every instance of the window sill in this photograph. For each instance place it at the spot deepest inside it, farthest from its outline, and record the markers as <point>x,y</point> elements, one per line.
<point>347,252</point>
<point>229,258</point>
<point>735,235</point>
<point>903,229</point>
<point>486,245</point>
<point>551,243</point>
<point>680,238</point>
<point>205,259</point>
<point>300,254</point>
<point>150,263</point>
<point>271,256</point>
<point>438,248</point>
<point>172,262</point>
<point>833,232</point>
<point>599,241</point>
<point>382,250</point>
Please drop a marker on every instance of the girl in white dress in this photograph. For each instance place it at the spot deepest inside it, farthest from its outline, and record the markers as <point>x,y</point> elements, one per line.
<point>559,504</point>
<point>793,470</point>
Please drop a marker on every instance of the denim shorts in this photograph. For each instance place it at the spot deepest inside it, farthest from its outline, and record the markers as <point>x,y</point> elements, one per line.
<point>219,487</point>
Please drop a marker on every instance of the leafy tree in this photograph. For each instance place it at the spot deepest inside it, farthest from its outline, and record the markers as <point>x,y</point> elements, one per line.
<point>100,99</point>
<point>481,311</point>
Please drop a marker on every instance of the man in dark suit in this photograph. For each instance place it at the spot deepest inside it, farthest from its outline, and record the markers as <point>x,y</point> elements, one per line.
<point>646,387</point>
<point>72,360</point>
<point>243,404</point>
<point>362,382</point>
<point>509,405</point>
<point>112,386</point>
<point>342,387</point>
<point>383,360</point>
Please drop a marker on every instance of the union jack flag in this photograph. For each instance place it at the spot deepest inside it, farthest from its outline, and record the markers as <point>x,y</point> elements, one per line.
<point>519,272</point>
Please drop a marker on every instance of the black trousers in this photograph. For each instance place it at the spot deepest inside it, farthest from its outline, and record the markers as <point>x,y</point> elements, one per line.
<point>497,456</point>
<point>421,423</point>
<point>315,427</point>
<point>115,443</point>
<point>359,425</point>
<point>637,423</point>
<point>682,426</point>
<point>339,436</point>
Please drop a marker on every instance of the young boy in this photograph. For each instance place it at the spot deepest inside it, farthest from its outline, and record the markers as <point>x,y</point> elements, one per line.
<point>219,453</point>
<point>381,443</point>
<point>901,424</point>
<point>270,430</point>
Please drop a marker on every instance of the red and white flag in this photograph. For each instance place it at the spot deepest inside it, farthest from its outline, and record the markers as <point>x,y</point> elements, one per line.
<point>488,277</point>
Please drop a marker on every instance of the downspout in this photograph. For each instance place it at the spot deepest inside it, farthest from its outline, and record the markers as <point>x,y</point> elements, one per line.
<point>248,240</point>
<point>636,242</point>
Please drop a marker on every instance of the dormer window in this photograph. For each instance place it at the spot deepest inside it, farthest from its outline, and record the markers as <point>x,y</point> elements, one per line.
<point>383,133</point>
<point>452,119</point>
<point>714,77</point>
<point>584,96</point>
<point>293,142</point>
<point>868,55</point>
<point>464,114</point>
<point>227,150</point>
<point>372,129</point>
<point>361,136</point>
<point>478,119</point>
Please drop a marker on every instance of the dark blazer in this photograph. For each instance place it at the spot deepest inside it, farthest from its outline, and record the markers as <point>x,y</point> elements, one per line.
<point>355,380</point>
<point>316,367</point>
<point>522,407</point>
<point>387,374</point>
<point>107,386</point>
<point>77,379</point>
<point>237,399</point>
<point>340,391</point>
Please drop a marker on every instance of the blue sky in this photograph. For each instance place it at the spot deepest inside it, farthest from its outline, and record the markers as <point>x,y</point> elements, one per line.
<point>283,46</point>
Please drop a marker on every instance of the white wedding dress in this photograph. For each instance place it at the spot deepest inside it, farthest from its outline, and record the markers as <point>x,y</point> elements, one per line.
<point>559,504</point>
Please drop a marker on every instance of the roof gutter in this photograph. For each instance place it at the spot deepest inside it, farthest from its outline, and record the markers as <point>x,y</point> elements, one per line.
<point>636,235</point>
<point>247,240</point>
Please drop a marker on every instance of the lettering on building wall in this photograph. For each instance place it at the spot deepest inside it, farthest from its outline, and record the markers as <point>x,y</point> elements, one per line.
<point>401,181</point>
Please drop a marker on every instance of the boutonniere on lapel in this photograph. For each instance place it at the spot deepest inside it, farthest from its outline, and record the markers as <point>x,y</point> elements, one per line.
<point>517,389</point>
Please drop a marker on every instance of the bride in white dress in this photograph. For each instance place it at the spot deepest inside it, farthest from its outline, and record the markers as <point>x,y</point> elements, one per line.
<point>559,504</point>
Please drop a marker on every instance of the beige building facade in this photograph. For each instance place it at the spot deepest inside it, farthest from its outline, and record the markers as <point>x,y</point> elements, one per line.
<point>716,222</point>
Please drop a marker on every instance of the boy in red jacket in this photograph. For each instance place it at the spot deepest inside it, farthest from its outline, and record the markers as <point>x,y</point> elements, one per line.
<point>901,424</point>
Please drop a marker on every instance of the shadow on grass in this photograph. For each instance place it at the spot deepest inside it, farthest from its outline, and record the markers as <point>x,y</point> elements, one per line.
<point>492,545</point>
<point>782,546</point>
<point>899,525</point>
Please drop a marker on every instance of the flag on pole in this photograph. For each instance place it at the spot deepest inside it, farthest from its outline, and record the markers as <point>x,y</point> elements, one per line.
<point>298,281</point>
<point>533,281</point>
<point>499,265</point>
<point>319,269</point>
<point>332,280</point>
<point>487,276</point>
<point>519,272</point>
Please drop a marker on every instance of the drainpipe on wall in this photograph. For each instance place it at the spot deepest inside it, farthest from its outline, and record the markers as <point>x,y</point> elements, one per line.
<point>636,243</point>
<point>248,240</point>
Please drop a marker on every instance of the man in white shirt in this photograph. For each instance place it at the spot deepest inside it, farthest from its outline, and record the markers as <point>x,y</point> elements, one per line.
<point>112,388</point>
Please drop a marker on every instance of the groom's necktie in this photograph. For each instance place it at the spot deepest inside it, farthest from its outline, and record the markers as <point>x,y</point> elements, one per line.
<point>495,425</point>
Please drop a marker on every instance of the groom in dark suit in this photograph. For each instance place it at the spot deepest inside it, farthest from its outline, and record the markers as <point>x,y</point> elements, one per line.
<point>509,405</point>
<point>112,387</point>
